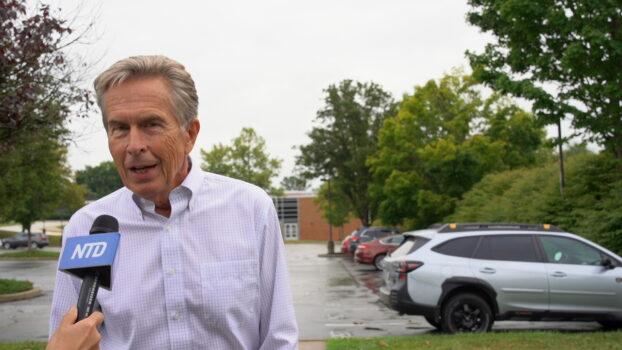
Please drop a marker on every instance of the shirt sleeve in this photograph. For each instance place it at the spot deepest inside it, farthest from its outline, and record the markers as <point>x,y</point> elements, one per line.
<point>278,328</point>
<point>65,288</point>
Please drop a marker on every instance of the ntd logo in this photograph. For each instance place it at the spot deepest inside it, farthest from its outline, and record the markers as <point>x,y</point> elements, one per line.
<point>89,250</point>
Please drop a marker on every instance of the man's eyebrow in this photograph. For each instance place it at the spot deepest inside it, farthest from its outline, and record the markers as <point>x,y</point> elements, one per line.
<point>152,118</point>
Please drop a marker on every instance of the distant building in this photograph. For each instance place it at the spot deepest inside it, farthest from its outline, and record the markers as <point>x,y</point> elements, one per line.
<point>301,218</point>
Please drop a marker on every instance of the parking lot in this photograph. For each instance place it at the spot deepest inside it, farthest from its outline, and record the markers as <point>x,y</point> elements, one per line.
<point>333,297</point>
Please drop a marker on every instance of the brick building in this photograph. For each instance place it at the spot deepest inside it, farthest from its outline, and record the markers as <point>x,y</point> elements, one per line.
<point>301,218</point>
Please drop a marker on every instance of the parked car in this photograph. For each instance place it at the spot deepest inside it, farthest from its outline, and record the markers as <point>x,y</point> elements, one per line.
<point>374,252</point>
<point>368,234</point>
<point>38,240</point>
<point>463,277</point>
<point>345,244</point>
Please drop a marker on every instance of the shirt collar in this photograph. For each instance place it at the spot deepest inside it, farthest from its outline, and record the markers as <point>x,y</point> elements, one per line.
<point>190,185</point>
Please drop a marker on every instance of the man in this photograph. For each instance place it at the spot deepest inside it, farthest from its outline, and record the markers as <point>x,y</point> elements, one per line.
<point>200,263</point>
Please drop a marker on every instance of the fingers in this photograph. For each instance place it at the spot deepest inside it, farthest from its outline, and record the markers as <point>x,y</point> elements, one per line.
<point>70,316</point>
<point>97,317</point>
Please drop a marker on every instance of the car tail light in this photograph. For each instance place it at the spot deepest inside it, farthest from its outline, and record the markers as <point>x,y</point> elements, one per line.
<point>407,266</point>
<point>354,239</point>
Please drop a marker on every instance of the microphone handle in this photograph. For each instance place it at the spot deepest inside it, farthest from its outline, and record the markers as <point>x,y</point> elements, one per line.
<point>88,295</point>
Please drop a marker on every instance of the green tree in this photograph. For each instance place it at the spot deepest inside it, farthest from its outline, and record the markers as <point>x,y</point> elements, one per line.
<point>564,56</point>
<point>337,211</point>
<point>346,135</point>
<point>100,180</point>
<point>245,159</point>
<point>444,139</point>
<point>294,182</point>
<point>36,181</point>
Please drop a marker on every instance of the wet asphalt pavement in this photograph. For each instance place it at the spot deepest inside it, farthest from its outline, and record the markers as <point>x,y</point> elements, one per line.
<point>333,297</point>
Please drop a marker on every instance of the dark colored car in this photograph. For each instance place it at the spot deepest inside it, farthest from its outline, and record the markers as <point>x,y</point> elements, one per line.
<point>39,240</point>
<point>345,245</point>
<point>369,234</point>
<point>373,252</point>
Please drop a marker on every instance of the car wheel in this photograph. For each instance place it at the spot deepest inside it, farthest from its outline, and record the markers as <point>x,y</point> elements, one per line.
<point>34,245</point>
<point>466,313</point>
<point>611,325</point>
<point>435,321</point>
<point>378,261</point>
<point>7,245</point>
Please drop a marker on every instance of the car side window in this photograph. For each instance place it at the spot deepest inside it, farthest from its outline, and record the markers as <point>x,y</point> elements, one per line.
<point>462,247</point>
<point>397,240</point>
<point>507,248</point>
<point>562,250</point>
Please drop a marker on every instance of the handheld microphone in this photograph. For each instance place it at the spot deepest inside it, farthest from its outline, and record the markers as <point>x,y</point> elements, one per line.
<point>90,258</point>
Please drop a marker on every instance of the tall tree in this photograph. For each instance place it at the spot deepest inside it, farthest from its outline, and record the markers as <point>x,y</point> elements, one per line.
<point>36,181</point>
<point>100,180</point>
<point>294,182</point>
<point>245,159</point>
<point>564,56</point>
<point>39,87</point>
<point>444,139</point>
<point>346,135</point>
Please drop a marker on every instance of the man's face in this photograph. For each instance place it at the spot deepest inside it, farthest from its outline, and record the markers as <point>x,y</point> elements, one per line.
<point>145,139</point>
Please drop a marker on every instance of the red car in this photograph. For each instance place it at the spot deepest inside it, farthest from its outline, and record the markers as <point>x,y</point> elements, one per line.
<point>345,245</point>
<point>373,252</point>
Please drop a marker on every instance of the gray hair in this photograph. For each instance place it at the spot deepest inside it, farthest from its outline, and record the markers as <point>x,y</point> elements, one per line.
<point>183,95</point>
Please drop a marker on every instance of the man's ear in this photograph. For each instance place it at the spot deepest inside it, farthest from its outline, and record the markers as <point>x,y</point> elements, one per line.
<point>192,131</point>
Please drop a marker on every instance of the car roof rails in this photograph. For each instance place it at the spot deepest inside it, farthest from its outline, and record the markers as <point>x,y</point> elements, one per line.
<point>469,227</point>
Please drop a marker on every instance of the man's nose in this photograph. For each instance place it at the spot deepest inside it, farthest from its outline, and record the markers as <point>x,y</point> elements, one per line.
<point>136,143</point>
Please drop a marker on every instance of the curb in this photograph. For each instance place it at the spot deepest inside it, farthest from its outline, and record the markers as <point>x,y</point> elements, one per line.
<point>29,294</point>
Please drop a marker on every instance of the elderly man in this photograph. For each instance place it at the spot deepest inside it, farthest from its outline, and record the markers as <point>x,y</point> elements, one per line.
<point>200,263</point>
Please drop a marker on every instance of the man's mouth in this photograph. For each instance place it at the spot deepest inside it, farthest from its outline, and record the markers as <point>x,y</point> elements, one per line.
<point>142,168</point>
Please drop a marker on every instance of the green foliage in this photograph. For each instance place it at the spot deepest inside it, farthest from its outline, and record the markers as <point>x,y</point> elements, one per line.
<point>444,139</point>
<point>491,340</point>
<point>346,135</point>
<point>245,159</point>
<point>26,345</point>
<point>30,255</point>
<point>294,182</point>
<point>589,207</point>
<point>36,181</point>
<point>9,286</point>
<point>564,56</point>
<point>100,180</point>
<point>336,211</point>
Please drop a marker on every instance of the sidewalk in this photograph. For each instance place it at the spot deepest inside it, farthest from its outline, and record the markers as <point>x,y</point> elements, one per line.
<point>312,345</point>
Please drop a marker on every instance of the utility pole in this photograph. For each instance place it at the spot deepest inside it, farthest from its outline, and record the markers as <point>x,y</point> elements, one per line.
<point>562,181</point>
<point>331,244</point>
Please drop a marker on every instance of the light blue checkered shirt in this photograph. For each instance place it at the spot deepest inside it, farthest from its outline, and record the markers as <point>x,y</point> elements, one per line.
<point>212,276</point>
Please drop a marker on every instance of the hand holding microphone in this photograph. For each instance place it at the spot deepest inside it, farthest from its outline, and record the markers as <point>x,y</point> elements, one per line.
<point>89,258</point>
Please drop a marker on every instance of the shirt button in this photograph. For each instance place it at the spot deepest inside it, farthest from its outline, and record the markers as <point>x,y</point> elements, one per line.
<point>170,272</point>
<point>176,316</point>
<point>167,228</point>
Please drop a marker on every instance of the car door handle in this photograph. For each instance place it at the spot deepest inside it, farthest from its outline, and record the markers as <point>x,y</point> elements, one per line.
<point>488,270</point>
<point>558,274</point>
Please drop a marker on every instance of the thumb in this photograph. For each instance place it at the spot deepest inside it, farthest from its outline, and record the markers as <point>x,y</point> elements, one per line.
<point>70,317</point>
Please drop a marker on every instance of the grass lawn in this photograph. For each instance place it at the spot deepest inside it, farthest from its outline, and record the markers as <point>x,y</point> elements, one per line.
<point>30,255</point>
<point>14,286</point>
<point>27,345</point>
<point>488,341</point>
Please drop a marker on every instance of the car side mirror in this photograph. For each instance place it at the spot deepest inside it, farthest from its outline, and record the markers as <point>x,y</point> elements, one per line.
<point>607,264</point>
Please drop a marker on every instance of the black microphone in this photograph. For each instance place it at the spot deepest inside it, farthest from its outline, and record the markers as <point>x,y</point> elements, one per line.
<point>91,279</point>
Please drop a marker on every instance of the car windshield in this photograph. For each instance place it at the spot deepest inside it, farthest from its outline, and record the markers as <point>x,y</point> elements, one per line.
<point>411,244</point>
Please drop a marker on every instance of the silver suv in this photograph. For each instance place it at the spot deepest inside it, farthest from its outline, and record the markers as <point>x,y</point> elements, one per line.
<point>463,277</point>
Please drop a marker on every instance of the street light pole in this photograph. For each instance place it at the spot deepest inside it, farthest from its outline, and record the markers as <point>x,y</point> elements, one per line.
<point>331,244</point>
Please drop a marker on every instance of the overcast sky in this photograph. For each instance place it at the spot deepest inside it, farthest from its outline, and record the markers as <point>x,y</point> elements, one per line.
<point>263,64</point>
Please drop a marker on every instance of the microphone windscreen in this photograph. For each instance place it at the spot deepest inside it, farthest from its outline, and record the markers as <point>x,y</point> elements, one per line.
<point>104,224</point>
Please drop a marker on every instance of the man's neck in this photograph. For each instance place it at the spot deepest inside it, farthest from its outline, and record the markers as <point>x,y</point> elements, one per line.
<point>163,206</point>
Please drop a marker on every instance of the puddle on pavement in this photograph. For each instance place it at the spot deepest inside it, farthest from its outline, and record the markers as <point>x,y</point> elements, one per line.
<point>341,282</point>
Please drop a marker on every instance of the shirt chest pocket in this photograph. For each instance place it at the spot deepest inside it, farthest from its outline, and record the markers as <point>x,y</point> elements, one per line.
<point>230,291</point>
